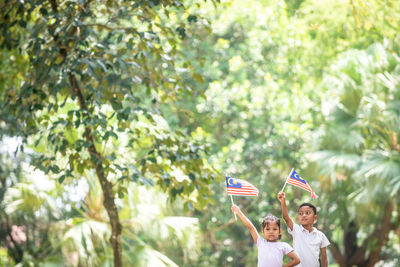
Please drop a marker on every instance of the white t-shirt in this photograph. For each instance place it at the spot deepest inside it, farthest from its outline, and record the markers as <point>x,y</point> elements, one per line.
<point>307,245</point>
<point>270,254</point>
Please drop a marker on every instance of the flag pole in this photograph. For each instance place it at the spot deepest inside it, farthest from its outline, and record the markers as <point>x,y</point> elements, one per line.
<point>287,179</point>
<point>231,199</point>
<point>232,204</point>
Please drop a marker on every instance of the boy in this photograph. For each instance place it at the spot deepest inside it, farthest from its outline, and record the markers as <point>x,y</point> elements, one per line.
<point>308,242</point>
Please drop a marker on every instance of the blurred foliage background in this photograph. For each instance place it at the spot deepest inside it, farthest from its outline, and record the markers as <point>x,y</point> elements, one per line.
<point>120,119</point>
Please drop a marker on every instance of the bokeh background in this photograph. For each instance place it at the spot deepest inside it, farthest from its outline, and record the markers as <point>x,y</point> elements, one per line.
<point>120,119</point>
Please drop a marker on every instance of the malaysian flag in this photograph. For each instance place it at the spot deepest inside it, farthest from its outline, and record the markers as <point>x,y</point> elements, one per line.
<point>239,187</point>
<point>295,179</point>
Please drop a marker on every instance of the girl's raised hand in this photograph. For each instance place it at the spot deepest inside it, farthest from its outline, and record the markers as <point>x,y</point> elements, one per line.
<point>235,208</point>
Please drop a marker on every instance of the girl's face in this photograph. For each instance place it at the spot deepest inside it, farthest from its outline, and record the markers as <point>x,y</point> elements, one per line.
<point>271,231</point>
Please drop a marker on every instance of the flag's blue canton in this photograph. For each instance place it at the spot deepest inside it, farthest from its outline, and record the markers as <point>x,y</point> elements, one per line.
<point>232,182</point>
<point>294,175</point>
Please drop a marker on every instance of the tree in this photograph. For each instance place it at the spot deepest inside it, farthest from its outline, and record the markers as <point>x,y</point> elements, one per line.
<point>95,75</point>
<point>359,154</point>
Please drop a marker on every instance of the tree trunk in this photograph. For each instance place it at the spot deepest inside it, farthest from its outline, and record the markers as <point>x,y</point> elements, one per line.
<point>382,235</point>
<point>97,160</point>
<point>96,157</point>
<point>356,255</point>
<point>337,255</point>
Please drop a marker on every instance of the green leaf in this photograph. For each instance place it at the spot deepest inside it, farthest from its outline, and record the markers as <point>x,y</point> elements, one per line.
<point>22,23</point>
<point>198,77</point>
<point>61,179</point>
<point>192,18</point>
<point>119,38</point>
<point>43,11</point>
<point>181,31</point>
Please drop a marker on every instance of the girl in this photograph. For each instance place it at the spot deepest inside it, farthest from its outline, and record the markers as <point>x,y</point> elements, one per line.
<point>270,250</point>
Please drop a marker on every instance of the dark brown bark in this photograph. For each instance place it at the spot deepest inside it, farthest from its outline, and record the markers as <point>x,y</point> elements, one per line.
<point>96,157</point>
<point>357,255</point>
<point>354,253</point>
<point>337,255</point>
<point>382,235</point>
<point>108,193</point>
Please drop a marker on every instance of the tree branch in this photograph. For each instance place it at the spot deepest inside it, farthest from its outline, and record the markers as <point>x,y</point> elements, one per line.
<point>337,255</point>
<point>381,234</point>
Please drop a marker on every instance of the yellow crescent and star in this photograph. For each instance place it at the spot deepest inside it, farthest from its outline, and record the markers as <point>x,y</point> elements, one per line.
<point>298,177</point>
<point>233,182</point>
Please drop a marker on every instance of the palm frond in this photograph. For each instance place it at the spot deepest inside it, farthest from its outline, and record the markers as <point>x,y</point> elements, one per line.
<point>342,137</point>
<point>330,162</point>
<point>87,239</point>
<point>380,164</point>
<point>138,253</point>
<point>186,230</point>
<point>23,197</point>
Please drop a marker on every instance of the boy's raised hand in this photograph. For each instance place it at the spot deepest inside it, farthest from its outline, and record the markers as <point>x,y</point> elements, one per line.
<point>285,214</point>
<point>281,196</point>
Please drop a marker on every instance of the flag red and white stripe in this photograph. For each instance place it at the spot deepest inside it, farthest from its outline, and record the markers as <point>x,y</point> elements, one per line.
<point>296,180</point>
<point>240,187</point>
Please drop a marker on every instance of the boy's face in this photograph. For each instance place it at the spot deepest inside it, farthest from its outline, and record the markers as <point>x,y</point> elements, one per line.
<point>271,231</point>
<point>306,216</point>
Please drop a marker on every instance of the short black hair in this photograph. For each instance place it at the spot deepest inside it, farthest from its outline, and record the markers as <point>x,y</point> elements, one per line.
<point>271,218</point>
<point>309,205</point>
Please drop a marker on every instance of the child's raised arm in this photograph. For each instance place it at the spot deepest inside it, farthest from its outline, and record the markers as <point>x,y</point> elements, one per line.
<point>246,222</point>
<point>285,214</point>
